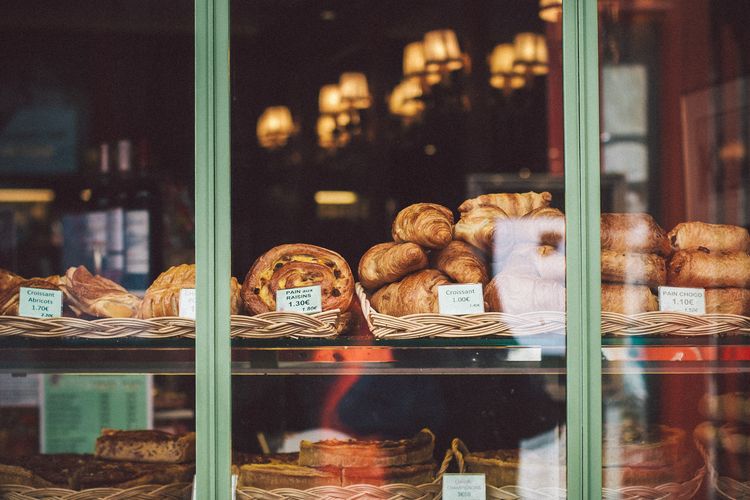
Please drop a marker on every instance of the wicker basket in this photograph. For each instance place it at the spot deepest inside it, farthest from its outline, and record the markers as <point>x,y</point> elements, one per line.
<point>416,326</point>
<point>726,487</point>
<point>658,323</point>
<point>175,491</point>
<point>271,325</point>
<point>668,491</point>
<point>395,491</point>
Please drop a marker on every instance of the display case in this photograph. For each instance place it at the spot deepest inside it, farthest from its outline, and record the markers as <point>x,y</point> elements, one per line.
<point>346,249</point>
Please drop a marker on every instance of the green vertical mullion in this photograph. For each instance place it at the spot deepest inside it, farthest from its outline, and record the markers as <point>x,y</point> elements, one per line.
<point>213,350</point>
<point>582,207</point>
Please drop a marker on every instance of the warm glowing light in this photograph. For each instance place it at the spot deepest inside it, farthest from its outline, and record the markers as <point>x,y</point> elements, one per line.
<point>414,61</point>
<point>502,71</point>
<point>326,129</point>
<point>405,99</point>
<point>329,99</point>
<point>354,90</point>
<point>274,127</point>
<point>550,10</point>
<point>441,49</point>
<point>336,197</point>
<point>26,195</point>
<point>531,53</point>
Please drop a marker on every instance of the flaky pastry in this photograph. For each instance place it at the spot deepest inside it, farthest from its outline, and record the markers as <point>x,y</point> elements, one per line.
<point>426,224</point>
<point>98,296</point>
<point>388,262</point>
<point>513,204</point>
<point>416,293</point>
<point>461,262</point>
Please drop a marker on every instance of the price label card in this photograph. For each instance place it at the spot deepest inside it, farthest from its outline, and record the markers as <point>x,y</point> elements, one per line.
<point>461,299</point>
<point>39,303</point>
<point>687,300</point>
<point>305,300</point>
<point>187,303</point>
<point>464,487</point>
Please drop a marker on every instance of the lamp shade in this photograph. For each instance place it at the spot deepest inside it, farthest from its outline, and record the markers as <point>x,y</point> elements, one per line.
<point>441,49</point>
<point>414,61</point>
<point>524,45</point>
<point>274,126</point>
<point>329,99</point>
<point>550,10</point>
<point>541,62</point>
<point>354,90</point>
<point>404,100</point>
<point>502,74</point>
<point>326,129</point>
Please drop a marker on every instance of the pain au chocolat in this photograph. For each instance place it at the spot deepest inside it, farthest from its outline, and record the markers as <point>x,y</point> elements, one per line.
<point>513,204</point>
<point>163,296</point>
<point>427,224</point>
<point>355,453</point>
<point>633,232</point>
<point>634,268</point>
<point>388,262</point>
<point>294,266</point>
<point>704,268</point>
<point>714,237</point>
<point>97,296</point>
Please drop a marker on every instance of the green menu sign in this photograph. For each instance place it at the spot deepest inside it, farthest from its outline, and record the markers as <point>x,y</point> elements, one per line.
<point>74,409</point>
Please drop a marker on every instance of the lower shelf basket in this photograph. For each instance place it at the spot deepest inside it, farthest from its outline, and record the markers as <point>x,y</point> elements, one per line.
<point>174,491</point>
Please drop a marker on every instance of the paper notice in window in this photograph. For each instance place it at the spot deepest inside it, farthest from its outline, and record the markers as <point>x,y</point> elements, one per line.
<point>306,300</point>
<point>39,303</point>
<point>460,299</point>
<point>187,303</point>
<point>686,300</point>
<point>464,487</point>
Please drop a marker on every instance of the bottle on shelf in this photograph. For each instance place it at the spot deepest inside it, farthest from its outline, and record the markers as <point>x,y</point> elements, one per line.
<point>142,226</point>
<point>114,268</point>
<point>96,216</point>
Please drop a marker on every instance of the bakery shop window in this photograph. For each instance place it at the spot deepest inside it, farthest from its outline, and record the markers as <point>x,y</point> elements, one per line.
<point>676,267</point>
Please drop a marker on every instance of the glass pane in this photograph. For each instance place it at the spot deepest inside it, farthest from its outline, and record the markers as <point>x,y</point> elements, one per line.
<point>675,262</point>
<point>96,200</point>
<point>398,276</point>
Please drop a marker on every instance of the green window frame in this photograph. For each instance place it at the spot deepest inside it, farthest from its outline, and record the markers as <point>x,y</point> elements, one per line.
<point>213,230</point>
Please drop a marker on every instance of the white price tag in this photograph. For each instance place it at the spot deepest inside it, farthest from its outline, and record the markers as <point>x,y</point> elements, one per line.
<point>460,299</point>
<point>234,486</point>
<point>187,303</point>
<point>464,487</point>
<point>304,300</point>
<point>39,303</point>
<point>687,300</point>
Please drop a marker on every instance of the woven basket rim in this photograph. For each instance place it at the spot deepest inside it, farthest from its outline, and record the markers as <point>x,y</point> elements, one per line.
<point>270,325</point>
<point>655,323</point>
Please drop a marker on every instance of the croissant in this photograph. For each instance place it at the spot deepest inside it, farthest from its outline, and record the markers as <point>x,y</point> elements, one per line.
<point>515,294</point>
<point>705,269</point>
<point>513,204</point>
<point>417,293</point>
<point>9,297</point>
<point>628,299</point>
<point>633,233</point>
<point>542,226</point>
<point>163,296</point>
<point>426,224</point>
<point>478,227</point>
<point>635,268</point>
<point>294,266</point>
<point>715,237</point>
<point>461,262</point>
<point>389,262</point>
<point>8,279</point>
<point>532,261</point>
<point>728,301</point>
<point>98,296</point>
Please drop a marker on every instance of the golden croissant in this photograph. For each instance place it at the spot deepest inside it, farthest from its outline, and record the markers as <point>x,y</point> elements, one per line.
<point>417,293</point>
<point>427,224</point>
<point>513,204</point>
<point>478,227</point>
<point>461,262</point>
<point>388,262</point>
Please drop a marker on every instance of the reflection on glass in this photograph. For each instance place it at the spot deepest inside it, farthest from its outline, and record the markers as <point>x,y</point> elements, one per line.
<point>676,267</point>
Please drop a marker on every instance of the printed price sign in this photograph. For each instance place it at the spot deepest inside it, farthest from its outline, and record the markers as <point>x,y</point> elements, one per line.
<point>304,300</point>
<point>460,299</point>
<point>187,303</point>
<point>464,487</point>
<point>39,303</point>
<point>687,300</point>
